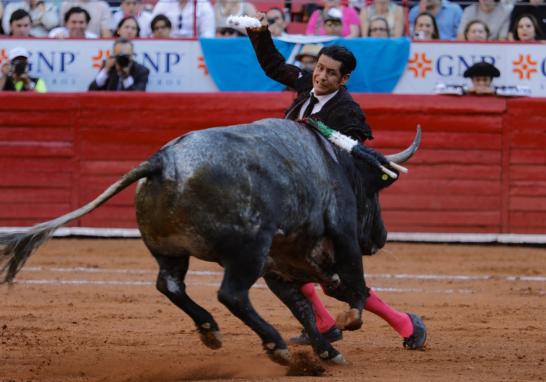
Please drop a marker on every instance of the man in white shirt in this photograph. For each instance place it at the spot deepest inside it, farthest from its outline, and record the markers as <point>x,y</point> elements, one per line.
<point>99,11</point>
<point>76,21</point>
<point>181,15</point>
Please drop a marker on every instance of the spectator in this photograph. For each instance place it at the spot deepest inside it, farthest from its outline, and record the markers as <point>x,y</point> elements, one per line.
<point>476,30</point>
<point>180,13</point>
<point>276,21</point>
<point>120,72</point>
<point>44,16</point>
<point>133,8</point>
<point>228,32</point>
<point>1,15</point>
<point>493,14</point>
<point>15,76</point>
<point>161,27</point>
<point>526,28</point>
<point>225,8</point>
<point>350,23</point>
<point>307,58</point>
<point>425,27</point>
<point>100,23</point>
<point>332,22</point>
<point>481,75</point>
<point>536,8</point>
<point>76,21</point>
<point>128,28</point>
<point>378,27</point>
<point>447,16</point>
<point>20,24</point>
<point>392,13</point>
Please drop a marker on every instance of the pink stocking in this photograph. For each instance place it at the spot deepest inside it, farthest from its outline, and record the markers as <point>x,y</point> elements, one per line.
<point>324,319</point>
<point>399,321</point>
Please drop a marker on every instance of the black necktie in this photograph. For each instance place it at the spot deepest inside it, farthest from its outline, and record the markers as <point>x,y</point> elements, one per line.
<point>312,102</point>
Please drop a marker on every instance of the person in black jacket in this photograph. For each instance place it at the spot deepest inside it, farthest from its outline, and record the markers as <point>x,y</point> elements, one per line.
<point>324,88</point>
<point>323,96</point>
<point>120,72</point>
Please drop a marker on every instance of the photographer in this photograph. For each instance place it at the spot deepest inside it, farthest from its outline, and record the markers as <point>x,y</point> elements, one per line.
<point>14,75</point>
<point>120,71</point>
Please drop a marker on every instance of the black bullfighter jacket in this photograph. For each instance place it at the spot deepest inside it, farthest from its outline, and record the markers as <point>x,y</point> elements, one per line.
<point>341,112</point>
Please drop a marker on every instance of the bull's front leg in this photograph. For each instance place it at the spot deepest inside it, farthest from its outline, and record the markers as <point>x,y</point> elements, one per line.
<point>289,293</point>
<point>352,289</point>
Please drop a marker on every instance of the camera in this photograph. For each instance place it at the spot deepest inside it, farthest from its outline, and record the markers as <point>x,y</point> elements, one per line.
<point>123,60</point>
<point>19,66</point>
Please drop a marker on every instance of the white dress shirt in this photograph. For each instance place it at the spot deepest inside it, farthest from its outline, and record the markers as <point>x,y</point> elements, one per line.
<point>322,99</point>
<point>182,19</point>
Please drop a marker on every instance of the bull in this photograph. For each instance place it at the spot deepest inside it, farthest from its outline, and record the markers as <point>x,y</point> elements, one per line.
<point>268,199</point>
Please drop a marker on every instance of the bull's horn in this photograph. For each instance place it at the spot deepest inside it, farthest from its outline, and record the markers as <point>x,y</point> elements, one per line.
<point>403,156</point>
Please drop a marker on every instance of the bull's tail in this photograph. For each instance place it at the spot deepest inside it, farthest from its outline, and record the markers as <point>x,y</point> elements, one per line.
<point>16,248</point>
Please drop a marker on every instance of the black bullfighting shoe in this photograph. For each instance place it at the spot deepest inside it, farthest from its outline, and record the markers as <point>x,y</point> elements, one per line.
<point>331,335</point>
<point>418,339</point>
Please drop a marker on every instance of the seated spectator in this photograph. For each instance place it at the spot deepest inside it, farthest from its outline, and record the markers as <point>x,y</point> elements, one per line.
<point>392,13</point>
<point>276,21</point>
<point>161,27</point>
<point>14,76</point>
<point>128,28</point>
<point>76,21</point>
<point>120,72</point>
<point>307,58</point>
<point>350,22</point>
<point>228,32</point>
<point>1,17</point>
<point>378,27</point>
<point>536,8</point>
<point>133,8</point>
<point>225,8</point>
<point>447,16</point>
<point>526,28</point>
<point>180,13</point>
<point>20,24</point>
<point>425,27</point>
<point>44,16</point>
<point>481,75</point>
<point>100,23</point>
<point>476,30</point>
<point>332,22</point>
<point>493,14</point>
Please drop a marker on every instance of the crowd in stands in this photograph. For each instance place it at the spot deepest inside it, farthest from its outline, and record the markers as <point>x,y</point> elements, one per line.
<point>479,20</point>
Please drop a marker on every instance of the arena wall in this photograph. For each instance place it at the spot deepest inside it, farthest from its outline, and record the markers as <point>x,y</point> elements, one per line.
<point>481,167</point>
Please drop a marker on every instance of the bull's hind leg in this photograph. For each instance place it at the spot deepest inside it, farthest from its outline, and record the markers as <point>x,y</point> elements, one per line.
<point>242,269</point>
<point>290,294</point>
<point>170,282</point>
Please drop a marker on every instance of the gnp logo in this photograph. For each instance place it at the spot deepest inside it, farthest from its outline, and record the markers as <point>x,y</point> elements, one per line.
<point>420,65</point>
<point>525,66</point>
<point>45,62</point>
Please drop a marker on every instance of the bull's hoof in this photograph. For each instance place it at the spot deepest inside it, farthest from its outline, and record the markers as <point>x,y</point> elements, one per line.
<point>211,338</point>
<point>333,357</point>
<point>351,320</point>
<point>280,356</point>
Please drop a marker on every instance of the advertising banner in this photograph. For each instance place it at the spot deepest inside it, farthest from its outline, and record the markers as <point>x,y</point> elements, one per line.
<point>431,64</point>
<point>71,65</point>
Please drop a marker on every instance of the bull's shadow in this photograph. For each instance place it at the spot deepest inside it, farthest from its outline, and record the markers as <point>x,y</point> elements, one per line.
<point>271,198</point>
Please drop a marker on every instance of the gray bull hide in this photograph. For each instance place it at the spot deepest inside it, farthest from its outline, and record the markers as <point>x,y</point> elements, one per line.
<point>270,199</point>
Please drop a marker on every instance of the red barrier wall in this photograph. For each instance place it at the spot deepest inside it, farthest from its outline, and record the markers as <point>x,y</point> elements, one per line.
<point>481,166</point>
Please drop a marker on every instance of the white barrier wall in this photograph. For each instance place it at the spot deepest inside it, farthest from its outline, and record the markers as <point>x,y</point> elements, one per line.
<point>445,62</point>
<point>179,66</point>
<point>71,65</point>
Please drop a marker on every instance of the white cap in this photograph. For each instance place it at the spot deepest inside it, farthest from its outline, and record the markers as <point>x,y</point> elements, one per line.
<point>17,52</point>
<point>334,14</point>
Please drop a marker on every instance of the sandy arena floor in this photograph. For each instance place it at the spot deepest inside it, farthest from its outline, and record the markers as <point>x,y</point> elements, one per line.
<point>87,310</point>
